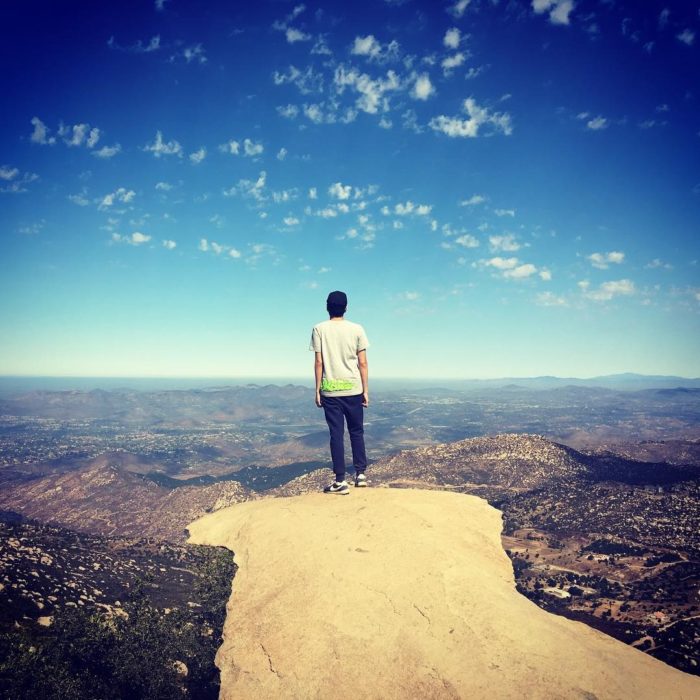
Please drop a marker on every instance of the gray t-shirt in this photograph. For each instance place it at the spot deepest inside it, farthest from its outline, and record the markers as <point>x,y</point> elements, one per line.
<point>339,342</point>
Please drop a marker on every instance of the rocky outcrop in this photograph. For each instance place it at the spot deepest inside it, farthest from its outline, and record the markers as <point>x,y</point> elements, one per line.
<point>401,593</point>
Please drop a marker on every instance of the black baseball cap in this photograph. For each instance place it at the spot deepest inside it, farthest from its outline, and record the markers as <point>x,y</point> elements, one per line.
<point>337,299</point>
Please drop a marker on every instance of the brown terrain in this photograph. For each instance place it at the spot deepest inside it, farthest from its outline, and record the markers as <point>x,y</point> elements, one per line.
<point>397,593</point>
<point>106,498</point>
<point>612,541</point>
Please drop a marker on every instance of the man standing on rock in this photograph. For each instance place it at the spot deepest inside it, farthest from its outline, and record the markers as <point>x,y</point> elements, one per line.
<point>340,368</point>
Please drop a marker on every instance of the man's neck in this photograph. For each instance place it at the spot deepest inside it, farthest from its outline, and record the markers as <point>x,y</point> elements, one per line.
<point>337,318</point>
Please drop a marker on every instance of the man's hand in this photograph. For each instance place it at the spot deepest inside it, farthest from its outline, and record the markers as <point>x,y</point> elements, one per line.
<point>365,399</point>
<point>318,400</point>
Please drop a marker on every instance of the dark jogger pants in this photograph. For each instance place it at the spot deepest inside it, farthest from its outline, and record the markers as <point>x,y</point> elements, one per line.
<point>339,409</point>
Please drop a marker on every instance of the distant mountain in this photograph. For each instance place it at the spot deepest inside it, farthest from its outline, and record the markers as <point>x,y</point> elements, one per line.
<point>186,408</point>
<point>502,465</point>
<point>105,498</point>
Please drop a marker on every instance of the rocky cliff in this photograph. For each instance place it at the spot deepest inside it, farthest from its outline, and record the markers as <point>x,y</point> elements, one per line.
<point>401,593</point>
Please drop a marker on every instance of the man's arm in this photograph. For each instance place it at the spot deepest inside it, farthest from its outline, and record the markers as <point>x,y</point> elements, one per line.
<point>318,372</point>
<point>364,375</point>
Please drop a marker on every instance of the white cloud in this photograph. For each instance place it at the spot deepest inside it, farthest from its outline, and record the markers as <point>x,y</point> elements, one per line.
<point>73,135</point>
<point>291,221</point>
<point>107,151</point>
<point>40,133</point>
<point>687,37</point>
<point>457,10</point>
<point>521,271</point>
<point>504,212</point>
<point>307,82</point>
<point>477,118</point>
<point>293,35</point>
<point>198,156</point>
<point>409,208</point>
<point>410,296</point>
<point>120,195</point>
<point>194,53</point>
<point>608,290</point>
<point>451,62</point>
<point>203,245</point>
<point>657,263</point>
<point>288,111</point>
<point>167,243</point>
<point>313,193</point>
<point>138,47</point>
<point>250,148</point>
<point>597,123</point>
<point>164,186</point>
<point>506,243</point>
<point>234,253</point>
<point>559,10</point>
<point>80,199</point>
<point>93,137</point>
<point>372,97</point>
<point>369,46</point>
<point>162,148</point>
<point>8,173</point>
<point>137,238</point>
<point>474,199</point>
<point>231,147</point>
<point>467,241</point>
<point>452,38</point>
<point>550,299</point>
<point>320,48</point>
<point>423,88</point>
<point>282,154</point>
<point>603,260</point>
<point>339,191</point>
<point>502,263</point>
<point>17,185</point>
<point>545,275</point>
<point>248,188</point>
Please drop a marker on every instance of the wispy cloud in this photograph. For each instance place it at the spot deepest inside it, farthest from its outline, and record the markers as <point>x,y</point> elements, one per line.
<point>107,151</point>
<point>550,299</point>
<point>473,200</point>
<point>137,238</point>
<point>13,181</point>
<point>609,290</point>
<point>194,54</point>
<point>373,49</point>
<point>152,45</point>
<point>505,243</point>
<point>478,118</point>
<point>253,189</point>
<point>198,156</point>
<point>121,195</point>
<point>687,37</point>
<point>458,8</point>
<point>422,88</point>
<point>603,260</point>
<point>163,148</point>
<point>559,10</point>
<point>452,38</point>
<point>221,249</point>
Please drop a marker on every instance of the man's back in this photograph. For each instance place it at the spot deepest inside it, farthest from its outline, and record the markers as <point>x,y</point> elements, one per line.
<point>339,342</point>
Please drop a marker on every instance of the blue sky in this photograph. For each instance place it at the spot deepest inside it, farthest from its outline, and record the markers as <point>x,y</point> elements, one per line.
<point>502,188</point>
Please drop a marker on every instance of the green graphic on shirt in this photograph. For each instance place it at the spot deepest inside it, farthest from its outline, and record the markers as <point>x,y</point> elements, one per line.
<point>337,384</point>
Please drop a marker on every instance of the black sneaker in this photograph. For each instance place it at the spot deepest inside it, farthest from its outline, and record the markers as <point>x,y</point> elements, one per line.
<point>340,487</point>
<point>360,480</point>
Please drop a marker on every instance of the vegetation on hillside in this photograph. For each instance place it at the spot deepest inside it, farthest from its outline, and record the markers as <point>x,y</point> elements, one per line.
<point>146,653</point>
